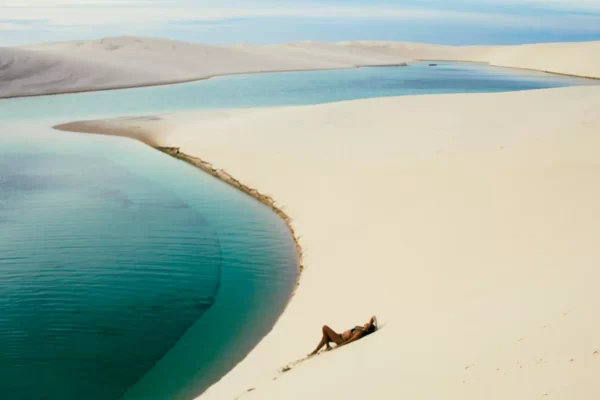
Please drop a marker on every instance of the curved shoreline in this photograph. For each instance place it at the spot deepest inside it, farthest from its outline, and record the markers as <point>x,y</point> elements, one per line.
<point>230,180</point>
<point>227,178</point>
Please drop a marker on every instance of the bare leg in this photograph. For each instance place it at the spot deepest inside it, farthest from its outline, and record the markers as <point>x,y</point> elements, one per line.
<point>322,343</point>
<point>329,335</point>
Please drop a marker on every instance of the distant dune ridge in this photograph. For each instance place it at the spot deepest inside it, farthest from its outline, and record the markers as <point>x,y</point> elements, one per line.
<point>129,62</point>
<point>135,61</point>
<point>578,59</point>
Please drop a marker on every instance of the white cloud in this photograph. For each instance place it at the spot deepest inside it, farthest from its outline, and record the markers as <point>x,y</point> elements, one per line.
<point>8,26</point>
<point>62,3</point>
<point>159,12</point>
<point>566,5</point>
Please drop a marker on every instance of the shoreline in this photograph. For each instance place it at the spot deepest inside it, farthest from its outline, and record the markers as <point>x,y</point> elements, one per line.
<point>594,78</point>
<point>222,175</point>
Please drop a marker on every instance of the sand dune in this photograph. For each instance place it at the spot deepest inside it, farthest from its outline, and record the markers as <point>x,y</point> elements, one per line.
<point>130,61</point>
<point>467,223</point>
<point>134,61</point>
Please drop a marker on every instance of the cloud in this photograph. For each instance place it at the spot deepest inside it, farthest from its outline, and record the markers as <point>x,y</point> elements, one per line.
<point>154,13</point>
<point>93,13</point>
<point>8,26</point>
<point>574,5</point>
<point>21,24</point>
<point>22,21</point>
<point>71,3</point>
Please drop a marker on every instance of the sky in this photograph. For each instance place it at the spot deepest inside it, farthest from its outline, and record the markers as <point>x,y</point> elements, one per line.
<point>453,22</point>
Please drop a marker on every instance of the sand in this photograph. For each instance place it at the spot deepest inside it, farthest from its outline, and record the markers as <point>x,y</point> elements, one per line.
<point>120,62</point>
<point>467,223</point>
<point>579,59</point>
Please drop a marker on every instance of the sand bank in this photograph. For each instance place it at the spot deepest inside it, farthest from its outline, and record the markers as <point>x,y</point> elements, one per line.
<point>467,223</point>
<point>121,62</point>
<point>576,59</point>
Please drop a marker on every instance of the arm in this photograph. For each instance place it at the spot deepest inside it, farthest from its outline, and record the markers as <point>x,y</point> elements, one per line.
<point>373,321</point>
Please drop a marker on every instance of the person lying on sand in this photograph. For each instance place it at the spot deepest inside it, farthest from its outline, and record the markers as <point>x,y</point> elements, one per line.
<point>349,336</point>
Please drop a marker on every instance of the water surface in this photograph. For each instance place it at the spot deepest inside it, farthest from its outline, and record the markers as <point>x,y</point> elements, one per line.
<point>124,272</point>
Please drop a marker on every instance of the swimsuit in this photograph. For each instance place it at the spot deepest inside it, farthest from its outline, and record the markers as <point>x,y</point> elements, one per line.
<point>356,328</point>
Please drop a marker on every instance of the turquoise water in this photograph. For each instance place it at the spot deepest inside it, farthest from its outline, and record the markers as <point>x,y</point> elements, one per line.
<point>289,88</point>
<point>127,274</point>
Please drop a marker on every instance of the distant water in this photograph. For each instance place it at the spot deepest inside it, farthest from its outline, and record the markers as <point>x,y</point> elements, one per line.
<point>289,88</point>
<point>126,274</point>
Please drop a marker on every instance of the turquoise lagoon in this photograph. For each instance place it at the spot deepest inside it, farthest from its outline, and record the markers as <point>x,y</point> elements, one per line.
<point>127,274</point>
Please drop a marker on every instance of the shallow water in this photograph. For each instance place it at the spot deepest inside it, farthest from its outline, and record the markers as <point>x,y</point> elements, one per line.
<point>126,274</point>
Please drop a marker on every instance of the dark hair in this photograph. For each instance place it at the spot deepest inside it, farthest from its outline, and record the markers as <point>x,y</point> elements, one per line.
<point>371,329</point>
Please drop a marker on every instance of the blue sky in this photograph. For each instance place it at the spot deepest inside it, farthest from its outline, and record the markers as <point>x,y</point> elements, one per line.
<point>268,21</point>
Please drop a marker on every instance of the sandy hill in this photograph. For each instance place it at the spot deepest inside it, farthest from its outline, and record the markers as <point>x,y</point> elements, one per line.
<point>129,61</point>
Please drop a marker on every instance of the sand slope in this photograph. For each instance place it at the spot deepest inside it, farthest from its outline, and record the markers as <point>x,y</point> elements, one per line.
<point>467,223</point>
<point>135,61</point>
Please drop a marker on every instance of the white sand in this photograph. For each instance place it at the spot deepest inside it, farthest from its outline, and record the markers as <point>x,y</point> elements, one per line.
<point>580,59</point>
<point>134,61</point>
<point>467,223</point>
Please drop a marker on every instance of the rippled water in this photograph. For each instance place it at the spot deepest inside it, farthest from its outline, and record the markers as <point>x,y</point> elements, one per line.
<point>109,253</point>
<point>126,274</point>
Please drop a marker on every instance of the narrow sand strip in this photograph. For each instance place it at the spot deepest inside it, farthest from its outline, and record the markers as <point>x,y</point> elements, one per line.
<point>467,223</point>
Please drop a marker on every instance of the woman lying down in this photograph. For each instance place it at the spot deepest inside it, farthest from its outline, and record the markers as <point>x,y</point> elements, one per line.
<point>358,332</point>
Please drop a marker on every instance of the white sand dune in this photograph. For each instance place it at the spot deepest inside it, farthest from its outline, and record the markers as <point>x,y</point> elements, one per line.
<point>467,223</point>
<point>134,61</point>
<point>130,61</point>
